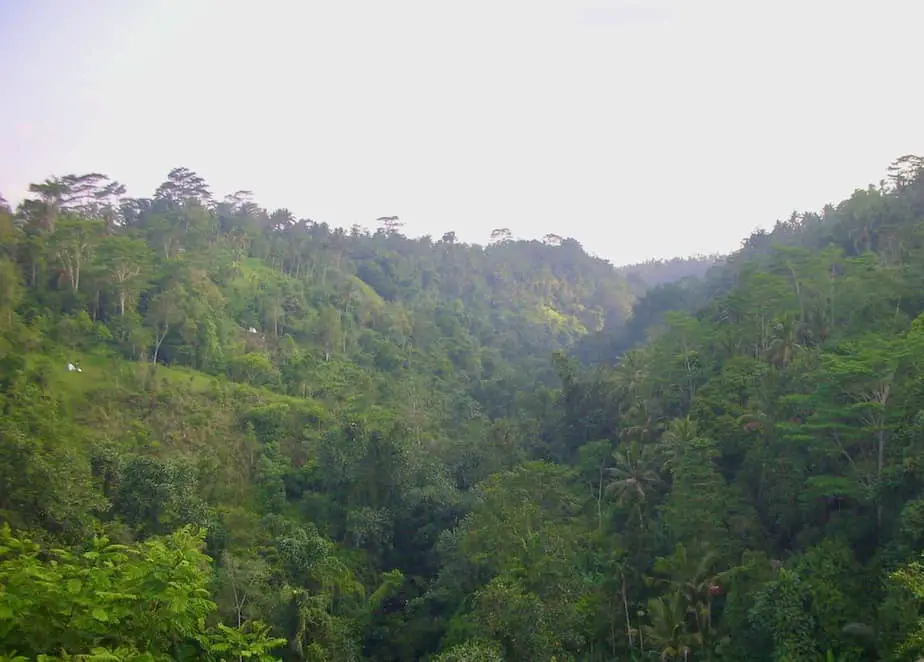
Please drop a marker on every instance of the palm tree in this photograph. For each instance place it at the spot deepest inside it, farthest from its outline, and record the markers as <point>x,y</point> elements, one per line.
<point>680,431</point>
<point>631,373</point>
<point>692,577</point>
<point>632,388</point>
<point>667,630</point>
<point>633,475</point>
<point>783,343</point>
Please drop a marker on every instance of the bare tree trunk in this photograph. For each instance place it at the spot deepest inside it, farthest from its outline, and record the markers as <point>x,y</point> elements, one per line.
<point>798,289</point>
<point>600,500</point>
<point>625,604</point>
<point>158,341</point>
<point>881,446</point>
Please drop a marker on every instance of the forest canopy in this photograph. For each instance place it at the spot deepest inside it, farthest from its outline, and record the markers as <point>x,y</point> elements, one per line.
<point>228,433</point>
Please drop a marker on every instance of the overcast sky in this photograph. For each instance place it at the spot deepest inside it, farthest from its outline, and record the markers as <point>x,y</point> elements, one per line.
<point>646,129</point>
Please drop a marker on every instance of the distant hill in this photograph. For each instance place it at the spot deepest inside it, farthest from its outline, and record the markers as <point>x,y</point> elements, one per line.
<point>651,273</point>
<point>659,286</point>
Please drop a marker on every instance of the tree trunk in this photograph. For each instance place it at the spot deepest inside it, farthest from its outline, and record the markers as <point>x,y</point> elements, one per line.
<point>600,500</point>
<point>158,341</point>
<point>795,283</point>
<point>625,604</point>
<point>881,446</point>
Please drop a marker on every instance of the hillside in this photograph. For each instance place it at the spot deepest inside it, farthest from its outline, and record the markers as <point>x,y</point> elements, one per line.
<point>661,272</point>
<point>242,371</point>
<point>281,440</point>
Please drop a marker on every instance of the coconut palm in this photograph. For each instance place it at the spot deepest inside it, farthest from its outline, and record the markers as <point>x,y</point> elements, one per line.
<point>667,631</point>
<point>633,475</point>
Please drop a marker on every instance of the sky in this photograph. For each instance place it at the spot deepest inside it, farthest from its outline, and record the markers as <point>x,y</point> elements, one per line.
<point>645,129</point>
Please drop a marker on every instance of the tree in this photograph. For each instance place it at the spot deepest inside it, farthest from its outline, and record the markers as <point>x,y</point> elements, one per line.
<point>164,230</point>
<point>471,651</point>
<point>552,240</point>
<point>92,196</point>
<point>96,197</point>
<point>910,577</point>
<point>184,187</point>
<point>525,532</point>
<point>11,290</point>
<point>390,224</point>
<point>150,598</point>
<point>667,630</point>
<point>253,368</point>
<point>633,475</point>
<point>692,582</point>
<point>52,196</point>
<point>854,408</point>
<point>246,580</point>
<point>501,235</point>
<point>125,260</point>
<point>281,219</point>
<point>906,170</point>
<point>10,234</point>
<point>698,499</point>
<point>516,618</point>
<point>73,243</point>
<point>166,311</point>
<point>593,460</point>
<point>779,609</point>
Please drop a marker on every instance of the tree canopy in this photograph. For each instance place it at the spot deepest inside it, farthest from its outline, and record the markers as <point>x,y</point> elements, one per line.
<point>227,433</point>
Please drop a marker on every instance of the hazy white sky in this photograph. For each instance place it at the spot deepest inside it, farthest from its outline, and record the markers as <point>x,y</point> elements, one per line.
<point>645,129</point>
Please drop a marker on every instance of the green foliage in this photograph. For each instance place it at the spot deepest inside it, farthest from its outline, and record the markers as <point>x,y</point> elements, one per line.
<point>405,449</point>
<point>150,599</point>
<point>781,609</point>
<point>471,651</point>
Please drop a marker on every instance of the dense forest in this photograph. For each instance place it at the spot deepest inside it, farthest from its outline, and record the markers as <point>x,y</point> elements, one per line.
<point>229,433</point>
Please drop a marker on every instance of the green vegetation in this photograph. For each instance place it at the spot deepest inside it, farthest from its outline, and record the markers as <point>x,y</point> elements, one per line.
<point>226,433</point>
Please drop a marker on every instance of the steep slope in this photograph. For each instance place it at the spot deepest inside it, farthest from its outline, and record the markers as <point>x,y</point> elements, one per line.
<point>277,382</point>
<point>762,469</point>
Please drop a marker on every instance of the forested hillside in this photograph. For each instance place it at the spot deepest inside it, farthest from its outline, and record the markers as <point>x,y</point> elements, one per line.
<point>227,433</point>
<point>660,272</point>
